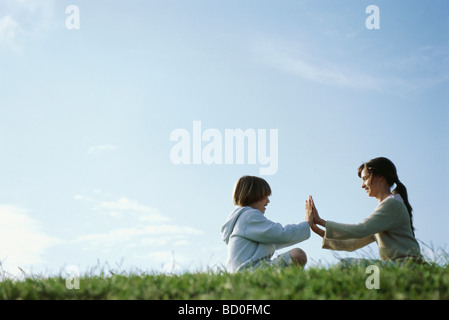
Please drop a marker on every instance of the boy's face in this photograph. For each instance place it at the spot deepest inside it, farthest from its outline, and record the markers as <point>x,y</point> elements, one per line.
<point>261,204</point>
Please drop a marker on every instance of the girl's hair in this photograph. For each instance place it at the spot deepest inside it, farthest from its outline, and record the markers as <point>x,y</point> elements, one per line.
<point>250,189</point>
<point>384,167</point>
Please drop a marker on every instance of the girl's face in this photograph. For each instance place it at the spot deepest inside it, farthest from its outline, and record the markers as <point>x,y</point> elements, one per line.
<point>369,183</point>
<point>261,204</point>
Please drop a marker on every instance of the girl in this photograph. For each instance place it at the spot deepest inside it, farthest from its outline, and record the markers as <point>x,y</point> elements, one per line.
<point>252,238</point>
<point>390,225</point>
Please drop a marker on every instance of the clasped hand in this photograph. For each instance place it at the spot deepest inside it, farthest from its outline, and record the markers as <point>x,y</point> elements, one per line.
<point>313,218</point>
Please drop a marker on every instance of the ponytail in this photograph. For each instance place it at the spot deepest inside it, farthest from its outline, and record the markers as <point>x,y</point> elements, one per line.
<point>402,191</point>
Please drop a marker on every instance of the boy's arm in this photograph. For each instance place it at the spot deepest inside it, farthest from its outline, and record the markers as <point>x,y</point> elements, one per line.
<point>260,229</point>
<point>288,244</point>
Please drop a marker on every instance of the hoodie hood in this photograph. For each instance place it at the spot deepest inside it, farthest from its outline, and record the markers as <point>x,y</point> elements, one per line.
<point>228,227</point>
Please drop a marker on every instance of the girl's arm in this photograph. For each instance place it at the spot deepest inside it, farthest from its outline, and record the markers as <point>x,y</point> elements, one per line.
<point>382,219</point>
<point>347,245</point>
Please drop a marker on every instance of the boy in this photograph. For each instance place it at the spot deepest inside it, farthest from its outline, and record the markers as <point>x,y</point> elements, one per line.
<point>252,238</point>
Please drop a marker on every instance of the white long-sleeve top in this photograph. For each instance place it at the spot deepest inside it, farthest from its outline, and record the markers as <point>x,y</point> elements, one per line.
<point>250,236</point>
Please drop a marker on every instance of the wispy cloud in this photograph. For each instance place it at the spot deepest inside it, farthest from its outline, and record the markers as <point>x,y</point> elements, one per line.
<point>422,68</point>
<point>134,225</point>
<point>8,33</point>
<point>142,235</point>
<point>101,148</point>
<point>23,19</point>
<point>419,70</point>
<point>22,242</point>
<point>300,61</point>
<point>124,206</point>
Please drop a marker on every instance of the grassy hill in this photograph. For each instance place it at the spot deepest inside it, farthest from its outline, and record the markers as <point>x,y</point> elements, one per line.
<point>417,282</point>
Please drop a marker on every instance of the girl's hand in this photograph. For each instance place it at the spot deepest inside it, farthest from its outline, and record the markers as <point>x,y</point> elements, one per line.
<point>313,218</point>
<point>316,218</point>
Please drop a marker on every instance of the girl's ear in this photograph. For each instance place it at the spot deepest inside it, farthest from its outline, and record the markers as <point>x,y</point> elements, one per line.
<point>381,178</point>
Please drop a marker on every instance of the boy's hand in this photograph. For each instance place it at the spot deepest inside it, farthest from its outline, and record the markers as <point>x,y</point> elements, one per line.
<point>313,218</point>
<point>309,211</point>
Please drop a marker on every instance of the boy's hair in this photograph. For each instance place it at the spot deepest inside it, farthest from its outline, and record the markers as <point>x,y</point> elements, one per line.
<point>250,189</point>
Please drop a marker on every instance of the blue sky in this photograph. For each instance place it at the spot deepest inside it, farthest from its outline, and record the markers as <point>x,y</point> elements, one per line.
<point>86,117</point>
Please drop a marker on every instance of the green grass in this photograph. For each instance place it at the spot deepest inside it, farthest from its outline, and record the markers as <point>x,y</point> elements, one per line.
<point>417,282</point>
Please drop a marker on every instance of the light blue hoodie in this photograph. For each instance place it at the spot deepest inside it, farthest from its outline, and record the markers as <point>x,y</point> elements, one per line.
<point>250,236</point>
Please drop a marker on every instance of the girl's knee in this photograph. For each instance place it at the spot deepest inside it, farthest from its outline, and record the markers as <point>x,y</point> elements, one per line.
<point>298,256</point>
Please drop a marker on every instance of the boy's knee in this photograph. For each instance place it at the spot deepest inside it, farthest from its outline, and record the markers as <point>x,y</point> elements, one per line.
<point>298,256</point>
